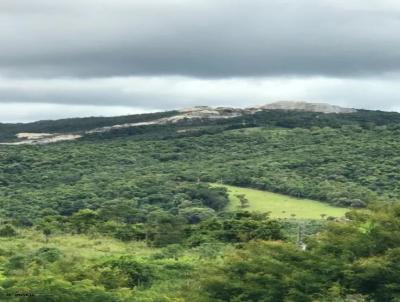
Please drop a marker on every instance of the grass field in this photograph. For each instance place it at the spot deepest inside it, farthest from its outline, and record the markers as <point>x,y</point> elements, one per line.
<point>282,206</point>
<point>83,246</point>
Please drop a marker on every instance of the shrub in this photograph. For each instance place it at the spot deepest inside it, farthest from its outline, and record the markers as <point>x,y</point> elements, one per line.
<point>48,254</point>
<point>138,273</point>
<point>7,231</point>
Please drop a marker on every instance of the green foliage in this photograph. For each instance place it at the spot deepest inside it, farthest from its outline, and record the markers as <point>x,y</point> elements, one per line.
<point>83,220</point>
<point>137,273</point>
<point>244,202</point>
<point>343,260</point>
<point>237,227</point>
<point>7,231</point>
<point>150,213</point>
<point>164,229</point>
<point>15,263</point>
<point>51,289</point>
<point>8,131</point>
<point>123,179</point>
<point>195,215</point>
<point>48,254</point>
<point>171,251</point>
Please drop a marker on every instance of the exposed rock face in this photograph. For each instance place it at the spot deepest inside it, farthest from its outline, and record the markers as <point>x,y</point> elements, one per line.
<point>194,113</point>
<point>121,126</point>
<point>30,135</point>
<point>42,138</point>
<point>200,112</point>
<point>187,114</point>
<point>304,106</point>
<point>226,112</point>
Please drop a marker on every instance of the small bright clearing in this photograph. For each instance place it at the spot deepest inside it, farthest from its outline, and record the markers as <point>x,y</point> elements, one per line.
<point>282,206</point>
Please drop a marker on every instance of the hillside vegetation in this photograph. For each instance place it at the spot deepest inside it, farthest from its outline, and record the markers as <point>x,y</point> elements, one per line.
<point>135,214</point>
<point>279,205</point>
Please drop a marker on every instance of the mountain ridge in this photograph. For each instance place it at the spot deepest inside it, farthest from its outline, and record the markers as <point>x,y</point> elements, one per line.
<point>44,132</point>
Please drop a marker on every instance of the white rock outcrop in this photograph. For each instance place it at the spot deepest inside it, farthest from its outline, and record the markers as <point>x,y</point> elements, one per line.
<point>186,114</point>
<point>305,106</point>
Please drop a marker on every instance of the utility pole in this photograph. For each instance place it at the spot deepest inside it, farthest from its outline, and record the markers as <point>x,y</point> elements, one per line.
<point>300,235</point>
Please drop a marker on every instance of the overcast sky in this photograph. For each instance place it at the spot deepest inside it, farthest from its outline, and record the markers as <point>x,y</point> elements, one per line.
<point>69,58</point>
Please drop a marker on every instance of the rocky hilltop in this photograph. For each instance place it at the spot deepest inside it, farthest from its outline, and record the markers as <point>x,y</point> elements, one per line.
<point>227,112</point>
<point>186,114</point>
<point>305,106</point>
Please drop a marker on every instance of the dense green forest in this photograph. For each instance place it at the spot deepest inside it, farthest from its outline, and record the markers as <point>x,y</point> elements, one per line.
<point>134,214</point>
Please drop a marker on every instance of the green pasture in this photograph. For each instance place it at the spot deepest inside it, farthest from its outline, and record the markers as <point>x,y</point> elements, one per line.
<point>282,206</point>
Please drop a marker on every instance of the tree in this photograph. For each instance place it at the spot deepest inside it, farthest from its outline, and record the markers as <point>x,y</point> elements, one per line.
<point>164,228</point>
<point>195,215</point>
<point>138,273</point>
<point>83,220</point>
<point>7,231</point>
<point>244,202</point>
<point>47,232</point>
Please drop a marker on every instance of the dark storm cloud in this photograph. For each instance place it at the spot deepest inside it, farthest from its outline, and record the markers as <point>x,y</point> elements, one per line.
<point>200,38</point>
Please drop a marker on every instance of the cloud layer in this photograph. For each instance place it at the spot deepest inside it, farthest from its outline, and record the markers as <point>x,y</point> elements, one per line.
<point>56,98</point>
<point>161,54</point>
<point>204,38</point>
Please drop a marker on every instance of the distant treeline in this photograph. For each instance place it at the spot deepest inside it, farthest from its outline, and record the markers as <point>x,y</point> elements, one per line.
<point>274,118</point>
<point>8,131</point>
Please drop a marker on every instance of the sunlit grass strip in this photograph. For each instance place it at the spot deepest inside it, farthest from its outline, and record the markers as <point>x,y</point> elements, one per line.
<point>282,206</point>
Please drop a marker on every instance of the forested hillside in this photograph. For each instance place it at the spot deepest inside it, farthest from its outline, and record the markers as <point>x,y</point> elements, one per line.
<point>8,131</point>
<point>135,214</point>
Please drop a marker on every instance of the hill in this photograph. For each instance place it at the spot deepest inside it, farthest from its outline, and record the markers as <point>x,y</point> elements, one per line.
<point>305,106</point>
<point>286,114</point>
<point>130,209</point>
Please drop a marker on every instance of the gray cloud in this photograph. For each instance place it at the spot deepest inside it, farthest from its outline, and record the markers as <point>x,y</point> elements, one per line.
<point>28,112</point>
<point>200,38</point>
<point>101,57</point>
<point>26,99</point>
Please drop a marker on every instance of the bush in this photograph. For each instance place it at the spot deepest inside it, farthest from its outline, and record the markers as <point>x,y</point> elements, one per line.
<point>138,273</point>
<point>16,262</point>
<point>195,215</point>
<point>48,254</point>
<point>172,251</point>
<point>7,231</point>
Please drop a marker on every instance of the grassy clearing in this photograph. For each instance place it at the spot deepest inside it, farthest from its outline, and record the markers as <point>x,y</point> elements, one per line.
<point>88,247</point>
<point>282,206</point>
